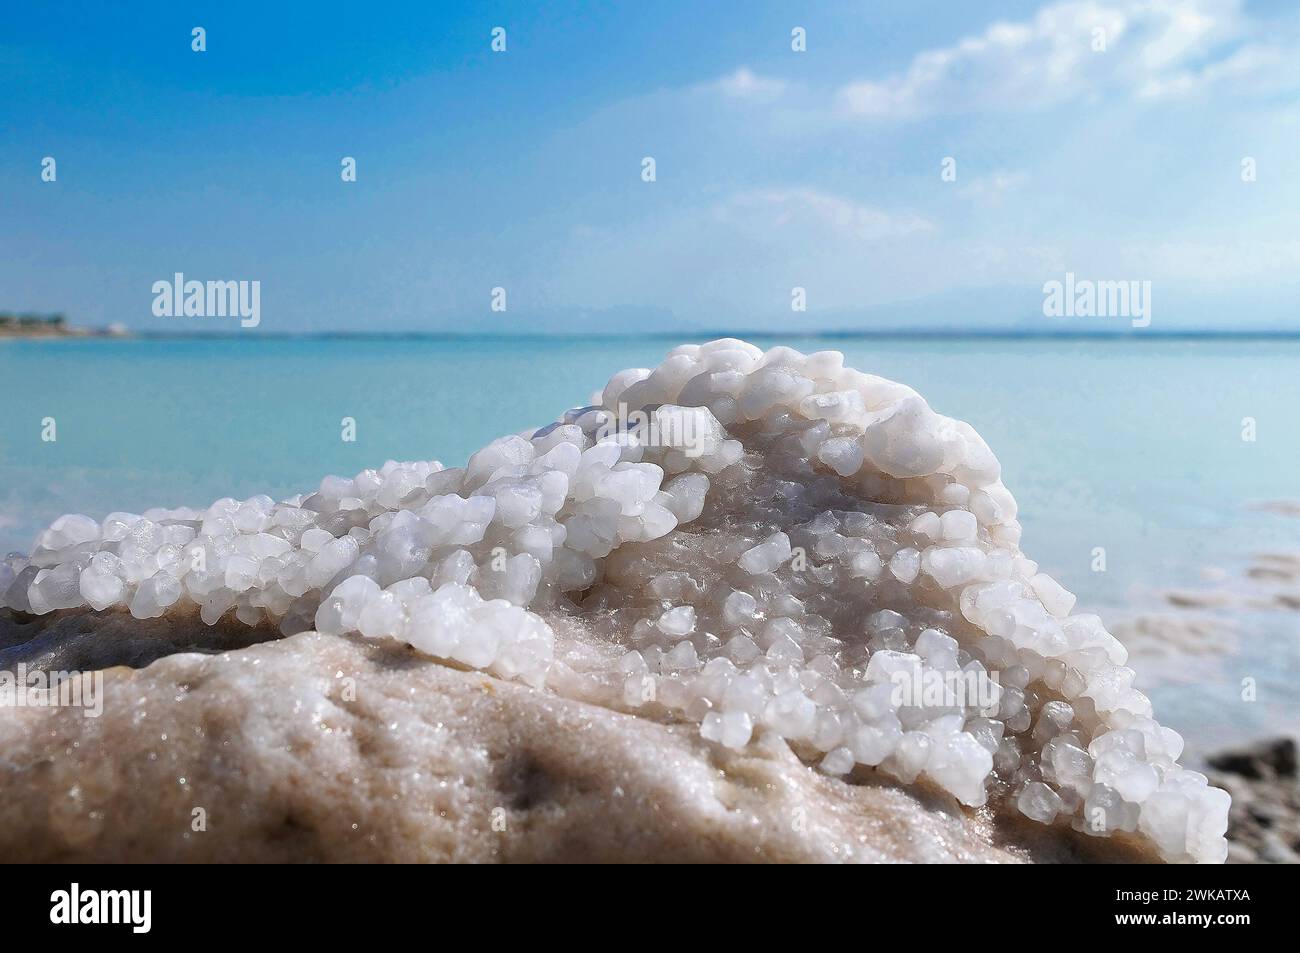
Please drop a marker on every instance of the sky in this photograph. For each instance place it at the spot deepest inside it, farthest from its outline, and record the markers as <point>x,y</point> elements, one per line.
<point>1107,139</point>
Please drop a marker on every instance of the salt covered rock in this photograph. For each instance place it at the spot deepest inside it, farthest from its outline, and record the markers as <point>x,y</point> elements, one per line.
<point>322,748</point>
<point>797,552</point>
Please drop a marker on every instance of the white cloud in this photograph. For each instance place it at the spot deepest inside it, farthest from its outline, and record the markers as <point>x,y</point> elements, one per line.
<point>1258,68</point>
<point>744,83</point>
<point>818,212</point>
<point>737,256</point>
<point>1153,49</point>
<point>992,188</point>
<point>1150,47</point>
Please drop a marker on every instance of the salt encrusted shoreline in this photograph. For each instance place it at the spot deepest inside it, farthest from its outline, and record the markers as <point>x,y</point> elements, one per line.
<point>776,569</point>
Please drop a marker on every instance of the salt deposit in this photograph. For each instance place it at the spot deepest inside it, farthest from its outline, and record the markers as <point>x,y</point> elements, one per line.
<point>775,545</point>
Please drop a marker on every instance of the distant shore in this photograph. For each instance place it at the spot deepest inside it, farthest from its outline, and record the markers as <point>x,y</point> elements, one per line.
<point>53,326</point>
<point>64,333</point>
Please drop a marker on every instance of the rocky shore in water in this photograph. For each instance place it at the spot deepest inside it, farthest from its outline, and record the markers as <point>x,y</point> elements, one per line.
<point>1264,821</point>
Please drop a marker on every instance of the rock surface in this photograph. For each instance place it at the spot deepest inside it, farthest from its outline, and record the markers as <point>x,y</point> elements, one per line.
<point>1264,822</point>
<point>328,748</point>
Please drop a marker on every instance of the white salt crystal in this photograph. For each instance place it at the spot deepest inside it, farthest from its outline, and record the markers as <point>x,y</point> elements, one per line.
<point>792,714</point>
<point>927,526</point>
<point>912,754</point>
<point>69,530</point>
<point>958,526</point>
<point>905,564</point>
<point>960,763</point>
<point>873,743</point>
<point>682,658</point>
<point>100,589</point>
<point>739,608</point>
<point>841,454</point>
<point>677,621</point>
<point>838,761</point>
<point>58,588</point>
<point>953,566</point>
<point>1058,601</point>
<point>767,555</point>
<point>730,729</point>
<point>1039,802</point>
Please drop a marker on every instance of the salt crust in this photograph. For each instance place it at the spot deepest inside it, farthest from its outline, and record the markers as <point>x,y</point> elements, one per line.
<point>818,556</point>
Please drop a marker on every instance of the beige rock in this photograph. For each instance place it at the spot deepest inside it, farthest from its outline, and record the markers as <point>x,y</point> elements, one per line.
<point>320,748</point>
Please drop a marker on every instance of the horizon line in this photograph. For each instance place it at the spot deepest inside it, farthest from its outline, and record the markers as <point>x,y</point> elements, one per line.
<point>683,334</point>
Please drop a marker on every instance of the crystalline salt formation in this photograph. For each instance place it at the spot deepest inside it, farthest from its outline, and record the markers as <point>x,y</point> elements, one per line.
<point>759,542</point>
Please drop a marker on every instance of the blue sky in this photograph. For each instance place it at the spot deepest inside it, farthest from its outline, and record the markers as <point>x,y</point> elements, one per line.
<point>775,168</point>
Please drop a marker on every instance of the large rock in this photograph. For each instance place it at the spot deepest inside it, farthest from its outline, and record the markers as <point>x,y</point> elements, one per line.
<point>327,748</point>
<point>803,561</point>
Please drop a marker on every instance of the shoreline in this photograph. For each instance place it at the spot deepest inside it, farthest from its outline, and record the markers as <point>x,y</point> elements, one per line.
<point>49,334</point>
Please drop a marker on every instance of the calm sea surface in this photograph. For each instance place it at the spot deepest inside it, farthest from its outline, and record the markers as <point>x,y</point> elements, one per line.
<point>1135,446</point>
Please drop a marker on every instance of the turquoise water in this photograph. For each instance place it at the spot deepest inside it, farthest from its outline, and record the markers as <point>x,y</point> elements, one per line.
<point>1133,445</point>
